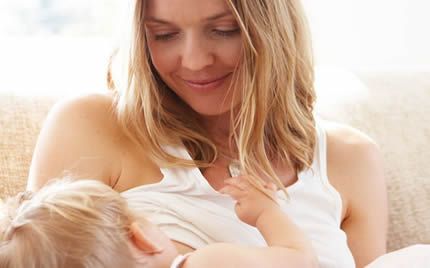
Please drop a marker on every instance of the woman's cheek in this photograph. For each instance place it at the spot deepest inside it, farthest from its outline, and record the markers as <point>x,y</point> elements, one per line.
<point>161,58</point>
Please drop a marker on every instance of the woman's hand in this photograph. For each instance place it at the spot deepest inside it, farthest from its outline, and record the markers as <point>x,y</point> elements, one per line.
<point>251,202</point>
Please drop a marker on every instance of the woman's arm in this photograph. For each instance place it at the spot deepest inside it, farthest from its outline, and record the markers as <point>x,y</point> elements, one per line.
<point>355,168</point>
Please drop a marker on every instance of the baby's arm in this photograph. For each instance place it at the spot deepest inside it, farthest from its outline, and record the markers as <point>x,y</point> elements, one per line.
<point>258,209</point>
<point>287,244</point>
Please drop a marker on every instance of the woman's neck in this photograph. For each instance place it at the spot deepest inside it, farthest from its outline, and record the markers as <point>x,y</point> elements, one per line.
<point>218,127</point>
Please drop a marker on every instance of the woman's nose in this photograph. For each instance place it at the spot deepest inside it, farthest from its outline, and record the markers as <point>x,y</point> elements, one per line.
<point>197,54</point>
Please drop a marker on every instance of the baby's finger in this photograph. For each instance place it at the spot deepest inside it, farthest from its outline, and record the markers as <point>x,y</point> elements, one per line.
<point>232,191</point>
<point>236,182</point>
<point>270,186</point>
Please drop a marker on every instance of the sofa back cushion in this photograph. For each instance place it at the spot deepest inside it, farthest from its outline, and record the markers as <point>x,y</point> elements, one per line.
<point>21,118</point>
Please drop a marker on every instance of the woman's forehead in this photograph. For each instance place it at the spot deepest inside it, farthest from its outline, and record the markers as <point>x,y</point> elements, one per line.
<point>190,11</point>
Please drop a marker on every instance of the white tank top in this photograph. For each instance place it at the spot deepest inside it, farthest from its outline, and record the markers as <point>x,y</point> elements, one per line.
<point>190,211</point>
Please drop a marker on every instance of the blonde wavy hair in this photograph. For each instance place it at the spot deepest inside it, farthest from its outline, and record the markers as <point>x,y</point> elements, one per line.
<point>275,78</point>
<point>79,224</point>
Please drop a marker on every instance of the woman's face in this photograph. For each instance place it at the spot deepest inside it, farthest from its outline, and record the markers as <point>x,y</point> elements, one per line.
<point>195,45</point>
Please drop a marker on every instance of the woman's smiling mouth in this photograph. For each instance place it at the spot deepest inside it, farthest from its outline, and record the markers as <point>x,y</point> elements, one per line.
<point>206,84</point>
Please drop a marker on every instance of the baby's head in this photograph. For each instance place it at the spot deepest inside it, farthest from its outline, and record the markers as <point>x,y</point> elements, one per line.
<point>79,224</point>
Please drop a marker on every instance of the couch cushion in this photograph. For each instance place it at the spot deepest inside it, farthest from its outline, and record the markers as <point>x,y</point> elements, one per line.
<point>20,120</point>
<point>393,109</point>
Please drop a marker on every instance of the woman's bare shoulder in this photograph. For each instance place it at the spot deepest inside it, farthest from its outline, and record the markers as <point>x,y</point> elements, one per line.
<point>84,106</point>
<point>345,137</point>
<point>354,161</point>
<point>80,136</point>
<point>355,168</point>
<point>92,115</point>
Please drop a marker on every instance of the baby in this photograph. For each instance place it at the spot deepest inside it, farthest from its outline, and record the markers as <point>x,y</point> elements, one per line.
<point>86,224</point>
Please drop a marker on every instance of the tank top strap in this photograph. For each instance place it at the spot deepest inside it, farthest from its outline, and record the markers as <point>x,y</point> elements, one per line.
<point>187,178</point>
<point>319,161</point>
<point>179,151</point>
<point>321,150</point>
<point>321,166</point>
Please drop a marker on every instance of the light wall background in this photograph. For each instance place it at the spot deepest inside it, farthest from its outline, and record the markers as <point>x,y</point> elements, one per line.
<point>371,35</point>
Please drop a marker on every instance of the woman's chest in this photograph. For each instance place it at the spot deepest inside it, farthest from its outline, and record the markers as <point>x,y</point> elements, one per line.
<point>219,172</point>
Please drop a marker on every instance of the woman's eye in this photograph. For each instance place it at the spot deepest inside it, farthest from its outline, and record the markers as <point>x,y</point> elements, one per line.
<point>164,37</point>
<point>227,33</point>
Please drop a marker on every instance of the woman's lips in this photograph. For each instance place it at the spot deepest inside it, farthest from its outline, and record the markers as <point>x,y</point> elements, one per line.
<point>206,85</point>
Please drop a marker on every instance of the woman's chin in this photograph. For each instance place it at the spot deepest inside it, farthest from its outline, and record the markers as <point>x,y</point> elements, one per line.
<point>211,112</point>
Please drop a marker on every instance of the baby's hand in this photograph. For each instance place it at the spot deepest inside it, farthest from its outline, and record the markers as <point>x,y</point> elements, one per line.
<point>251,202</point>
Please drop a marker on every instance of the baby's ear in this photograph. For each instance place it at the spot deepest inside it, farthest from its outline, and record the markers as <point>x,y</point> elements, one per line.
<point>142,241</point>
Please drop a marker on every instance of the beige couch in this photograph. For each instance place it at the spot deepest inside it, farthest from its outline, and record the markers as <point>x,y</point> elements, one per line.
<point>392,108</point>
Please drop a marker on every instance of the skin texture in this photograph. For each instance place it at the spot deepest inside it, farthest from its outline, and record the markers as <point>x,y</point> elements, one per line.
<point>82,136</point>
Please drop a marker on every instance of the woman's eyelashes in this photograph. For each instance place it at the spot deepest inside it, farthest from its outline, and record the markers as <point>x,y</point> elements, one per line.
<point>164,37</point>
<point>217,32</point>
<point>226,33</point>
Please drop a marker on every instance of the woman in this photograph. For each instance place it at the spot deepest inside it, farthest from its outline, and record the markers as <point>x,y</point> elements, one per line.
<point>209,83</point>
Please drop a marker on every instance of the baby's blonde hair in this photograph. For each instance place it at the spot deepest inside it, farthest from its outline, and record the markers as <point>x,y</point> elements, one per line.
<point>79,224</point>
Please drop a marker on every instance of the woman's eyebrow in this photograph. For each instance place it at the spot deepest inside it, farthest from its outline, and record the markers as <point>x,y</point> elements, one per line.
<point>210,18</point>
<point>157,20</point>
<point>219,16</point>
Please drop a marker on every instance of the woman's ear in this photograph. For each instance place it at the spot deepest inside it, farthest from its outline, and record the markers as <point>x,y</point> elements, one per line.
<point>142,241</point>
